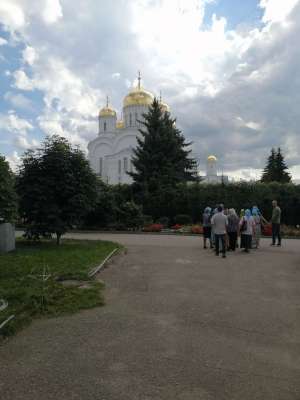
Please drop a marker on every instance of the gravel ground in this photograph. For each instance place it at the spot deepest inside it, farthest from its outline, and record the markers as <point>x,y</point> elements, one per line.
<point>179,323</point>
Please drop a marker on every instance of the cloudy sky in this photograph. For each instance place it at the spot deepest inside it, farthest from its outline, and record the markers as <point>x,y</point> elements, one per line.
<point>229,69</point>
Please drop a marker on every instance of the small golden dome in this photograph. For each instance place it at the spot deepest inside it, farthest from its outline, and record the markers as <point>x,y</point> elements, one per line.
<point>107,112</point>
<point>211,158</point>
<point>120,125</point>
<point>138,97</point>
<point>164,107</point>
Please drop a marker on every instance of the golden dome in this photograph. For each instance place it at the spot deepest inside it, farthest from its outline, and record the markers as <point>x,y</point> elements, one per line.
<point>107,112</point>
<point>138,97</point>
<point>120,125</point>
<point>211,158</point>
<point>164,107</point>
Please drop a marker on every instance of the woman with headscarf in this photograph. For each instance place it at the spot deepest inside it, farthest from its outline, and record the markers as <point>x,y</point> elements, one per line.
<point>258,219</point>
<point>232,229</point>
<point>206,223</point>
<point>246,227</point>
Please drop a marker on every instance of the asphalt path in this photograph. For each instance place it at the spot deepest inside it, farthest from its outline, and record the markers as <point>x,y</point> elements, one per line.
<point>179,323</point>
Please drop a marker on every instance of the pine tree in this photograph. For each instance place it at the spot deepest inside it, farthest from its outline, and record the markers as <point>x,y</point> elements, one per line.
<point>276,169</point>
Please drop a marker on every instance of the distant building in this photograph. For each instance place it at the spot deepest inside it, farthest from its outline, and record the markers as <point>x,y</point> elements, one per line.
<point>212,172</point>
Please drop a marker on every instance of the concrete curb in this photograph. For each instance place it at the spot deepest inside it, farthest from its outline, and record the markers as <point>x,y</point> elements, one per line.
<point>95,270</point>
<point>2,325</point>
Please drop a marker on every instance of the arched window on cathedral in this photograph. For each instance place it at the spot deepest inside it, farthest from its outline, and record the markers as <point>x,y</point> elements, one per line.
<point>130,119</point>
<point>120,167</point>
<point>104,126</point>
<point>136,119</point>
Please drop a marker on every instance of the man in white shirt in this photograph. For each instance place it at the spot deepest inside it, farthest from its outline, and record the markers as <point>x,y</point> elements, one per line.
<point>219,222</point>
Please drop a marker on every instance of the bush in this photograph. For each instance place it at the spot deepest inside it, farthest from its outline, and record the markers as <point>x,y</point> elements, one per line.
<point>147,220</point>
<point>183,219</point>
<point>164,221</point>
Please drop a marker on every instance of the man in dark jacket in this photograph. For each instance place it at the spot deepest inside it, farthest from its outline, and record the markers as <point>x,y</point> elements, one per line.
<point>276,219</point>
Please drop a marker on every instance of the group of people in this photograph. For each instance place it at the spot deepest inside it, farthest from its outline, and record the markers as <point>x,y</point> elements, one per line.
<point>222,227</point>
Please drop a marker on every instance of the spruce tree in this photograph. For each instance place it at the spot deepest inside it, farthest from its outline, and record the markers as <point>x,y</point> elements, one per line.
<point>161,157</point>
<point>276,169</point>
<point>161,161</point>
<point>281,168</point>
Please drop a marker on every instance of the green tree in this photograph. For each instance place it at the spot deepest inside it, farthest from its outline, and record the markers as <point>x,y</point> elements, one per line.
<point>276,168</point>
<point>282,170</point>
<point>161,159</point>
<point>8,198</point>
<point>56,186</point>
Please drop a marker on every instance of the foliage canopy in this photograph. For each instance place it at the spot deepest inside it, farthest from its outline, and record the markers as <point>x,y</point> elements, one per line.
<point>8,198</point>
<point>56,186</point>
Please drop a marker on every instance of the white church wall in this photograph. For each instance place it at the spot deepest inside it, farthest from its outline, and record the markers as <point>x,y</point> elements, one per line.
<point>97,157</point>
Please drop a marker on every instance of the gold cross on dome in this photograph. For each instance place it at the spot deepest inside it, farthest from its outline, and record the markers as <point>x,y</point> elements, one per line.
<point>139,79</point>
<point>107,101</point>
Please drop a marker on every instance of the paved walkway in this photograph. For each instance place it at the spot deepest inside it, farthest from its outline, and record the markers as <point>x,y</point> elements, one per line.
<point>179,323</point>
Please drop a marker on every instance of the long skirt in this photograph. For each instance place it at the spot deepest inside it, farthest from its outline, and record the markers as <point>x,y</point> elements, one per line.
<point>257,236</point>
<point>246,241</point>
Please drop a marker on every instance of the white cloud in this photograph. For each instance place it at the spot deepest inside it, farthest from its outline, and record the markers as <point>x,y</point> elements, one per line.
<point>277,10</point>
<point>29,55</point>
<point>22,81</point>
<point>14,124</point>
<point>23,143</point>
<point>52,11</point>
<point>11,14</point>
<point>18,100</point>
<point>14,160</point>
<point>3,41</point>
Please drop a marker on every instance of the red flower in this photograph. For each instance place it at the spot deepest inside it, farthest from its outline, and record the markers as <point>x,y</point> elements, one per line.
<point>153,228</point>
<point>176,227</point>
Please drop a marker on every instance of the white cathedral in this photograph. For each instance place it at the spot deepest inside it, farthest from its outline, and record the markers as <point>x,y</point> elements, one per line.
<point>110,153</point>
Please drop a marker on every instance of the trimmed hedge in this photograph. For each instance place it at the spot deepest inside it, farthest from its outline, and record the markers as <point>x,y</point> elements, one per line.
<point>188,202</point>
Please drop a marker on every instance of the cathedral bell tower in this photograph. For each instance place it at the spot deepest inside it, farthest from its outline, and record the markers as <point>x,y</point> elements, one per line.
<point>107,119</point>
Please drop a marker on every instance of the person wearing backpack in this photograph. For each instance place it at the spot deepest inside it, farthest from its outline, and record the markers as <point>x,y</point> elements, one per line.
<point>232,229</point>
<point>246,228</point>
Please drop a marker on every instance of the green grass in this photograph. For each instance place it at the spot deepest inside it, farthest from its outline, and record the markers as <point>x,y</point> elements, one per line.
<point>30,297</point>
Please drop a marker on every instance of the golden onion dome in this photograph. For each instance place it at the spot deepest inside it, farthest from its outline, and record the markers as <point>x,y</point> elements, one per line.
<point>211,158</point>
<point>138,97</point>
<point>107,112</point>
<point>164,107</point>
<point>120,125</point>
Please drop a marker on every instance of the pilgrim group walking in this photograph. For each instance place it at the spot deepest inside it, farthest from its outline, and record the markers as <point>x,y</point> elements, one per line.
<point>222,227</point>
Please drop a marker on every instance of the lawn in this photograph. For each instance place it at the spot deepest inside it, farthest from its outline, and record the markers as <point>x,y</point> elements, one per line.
<point>31,279</point>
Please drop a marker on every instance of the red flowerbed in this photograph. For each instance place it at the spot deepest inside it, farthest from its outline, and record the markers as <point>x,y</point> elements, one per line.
<point>267,230</point>
<point>197,229</point>
<point>176,227</point>
<point>153,228</point>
